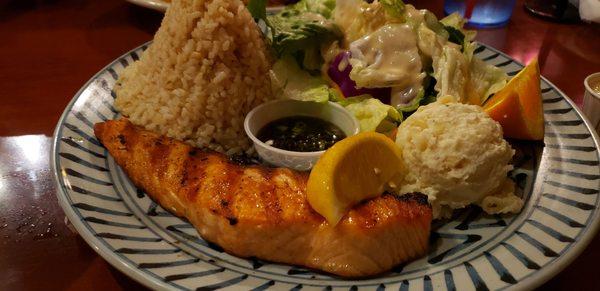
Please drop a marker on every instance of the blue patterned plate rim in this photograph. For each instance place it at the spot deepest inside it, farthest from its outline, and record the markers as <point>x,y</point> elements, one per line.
<point>125,267</point>
<point>530,281</point>
<point>538,278</point>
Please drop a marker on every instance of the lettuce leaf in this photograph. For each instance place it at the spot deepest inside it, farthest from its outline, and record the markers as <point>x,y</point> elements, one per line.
<point>468,80</point>
<point>454,35</point>
<point>298,29</point>
<point>258,9</point>
<point>454,20</point>
<point>414,103</point>
<point>303,26</point>
<point>322,7</point>
<point>295,31</point>
<point>434,24</point>
<point>394,8</point>
<point>430,44</point>
<point>289,81</point>
<point>485,80</point>
<point>451,71</point>
<point>454,24</point>
<point>457,72</point>
<point>426,95</point>
<point>372,114</point>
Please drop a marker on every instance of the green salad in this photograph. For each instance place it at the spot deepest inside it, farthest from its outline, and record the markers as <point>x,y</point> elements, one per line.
<point>380,60</point>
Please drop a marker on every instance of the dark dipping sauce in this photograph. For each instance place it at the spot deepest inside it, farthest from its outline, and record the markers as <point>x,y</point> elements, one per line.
<point>300,134</point>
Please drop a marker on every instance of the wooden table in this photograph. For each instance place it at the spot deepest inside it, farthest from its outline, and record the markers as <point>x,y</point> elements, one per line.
<point>49,49</point>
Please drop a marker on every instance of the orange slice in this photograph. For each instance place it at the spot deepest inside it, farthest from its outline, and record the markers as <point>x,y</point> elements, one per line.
<point>518,106</point>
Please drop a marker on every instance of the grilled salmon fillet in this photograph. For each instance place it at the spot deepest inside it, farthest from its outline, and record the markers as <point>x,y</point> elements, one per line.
<point>253,210</point>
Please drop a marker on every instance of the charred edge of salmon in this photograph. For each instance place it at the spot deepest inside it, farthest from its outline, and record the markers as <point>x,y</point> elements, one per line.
<point>417,197</point>
<point>243,160</point>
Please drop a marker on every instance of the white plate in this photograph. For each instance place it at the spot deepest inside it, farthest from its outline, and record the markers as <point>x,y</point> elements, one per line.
<point>559,182</point>
<point>162,6</point>
<point>157,5</point>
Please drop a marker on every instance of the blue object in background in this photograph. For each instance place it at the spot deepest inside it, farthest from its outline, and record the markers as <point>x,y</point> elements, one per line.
<point>487,13</point>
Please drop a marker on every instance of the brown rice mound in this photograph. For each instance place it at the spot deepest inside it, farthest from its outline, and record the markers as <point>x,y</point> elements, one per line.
<point>206,69</point>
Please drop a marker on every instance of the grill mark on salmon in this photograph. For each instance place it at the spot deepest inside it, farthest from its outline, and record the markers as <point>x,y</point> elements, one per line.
<point>257,211</point>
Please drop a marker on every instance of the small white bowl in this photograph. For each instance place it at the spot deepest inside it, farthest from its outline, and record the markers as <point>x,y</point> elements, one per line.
<point>270,111</point>
<point>591,100</point>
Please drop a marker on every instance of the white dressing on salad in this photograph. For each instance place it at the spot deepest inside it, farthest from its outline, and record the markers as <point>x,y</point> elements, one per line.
<point>358,18</point>
<point>388,57</point>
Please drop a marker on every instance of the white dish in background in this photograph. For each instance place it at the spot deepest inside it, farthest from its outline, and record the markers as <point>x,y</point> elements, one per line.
<point>162,6</point>
<point>559,182</point>
<point>591,99</point>
<point>157,5</point>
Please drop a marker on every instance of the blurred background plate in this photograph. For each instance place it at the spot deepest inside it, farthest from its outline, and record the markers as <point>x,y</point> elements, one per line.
<point>162,6</point>
<point>157,5</point>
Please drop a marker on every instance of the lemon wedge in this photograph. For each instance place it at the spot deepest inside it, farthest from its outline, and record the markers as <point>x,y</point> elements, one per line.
<point>354,169</point>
